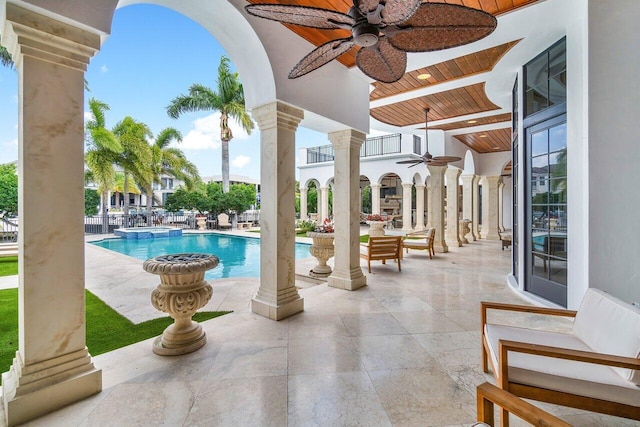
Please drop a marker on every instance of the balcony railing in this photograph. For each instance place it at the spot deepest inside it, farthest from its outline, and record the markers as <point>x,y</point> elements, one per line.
<point>375,146</point>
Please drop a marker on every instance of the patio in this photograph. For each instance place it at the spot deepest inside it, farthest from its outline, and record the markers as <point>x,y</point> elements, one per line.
<point>404,350</point>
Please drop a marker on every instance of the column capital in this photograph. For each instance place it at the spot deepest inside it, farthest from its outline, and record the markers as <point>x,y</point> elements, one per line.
<point>453,173</point>
<point>375,185</point>
<point>407,184</point>
<point>492,180</point>
<point>467,178</point>
<point>348,138</point>
<point>28,33</point>
<point>303,189</point>
<point>277,115</point>
<point>420,186</point>
<point>436,170</point>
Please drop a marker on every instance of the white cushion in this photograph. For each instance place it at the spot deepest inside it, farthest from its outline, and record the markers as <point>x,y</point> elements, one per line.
<point>584,379</point>
<point>611,326</point>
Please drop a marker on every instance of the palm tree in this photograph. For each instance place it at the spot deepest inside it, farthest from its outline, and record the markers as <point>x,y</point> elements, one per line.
<point>102,150</point>
<point>135,158</point>
<point>166,160</point>
<point>5,57</point>
<point>228,100</point>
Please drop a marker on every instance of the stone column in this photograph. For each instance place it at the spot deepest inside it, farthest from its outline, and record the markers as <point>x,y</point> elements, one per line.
<point>347,273</point>
<point>500,206</point>
<point>324,203</point>
<point>277,297</point>
<point>419,207</point>
<point>52,367</point>
<point>490,207</point>
<point>453,192</point>
<point>428,199</point>
<point>303,203</point>
<point>436,206</point>
<point>475,202</point>
<point>406,206</point>
<point>375,198</point>
<point>467,202</point>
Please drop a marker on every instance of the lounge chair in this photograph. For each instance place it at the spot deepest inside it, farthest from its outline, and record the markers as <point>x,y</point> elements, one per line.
<point>223,222</point>
<point>382,248</point>
<point>595,368</point>
<point>426,244</point>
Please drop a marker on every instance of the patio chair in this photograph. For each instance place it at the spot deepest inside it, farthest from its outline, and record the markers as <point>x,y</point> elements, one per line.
<point>596,367</point>
<point>426,244</point>
<point>223,222</point>
<point>382,248</point>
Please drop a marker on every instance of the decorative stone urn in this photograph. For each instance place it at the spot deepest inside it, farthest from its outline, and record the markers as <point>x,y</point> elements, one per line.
<point>181,292</point>
<point>202,222</point>
<point>464,229</point>
<point>375,228</point>
<point>322,249</point>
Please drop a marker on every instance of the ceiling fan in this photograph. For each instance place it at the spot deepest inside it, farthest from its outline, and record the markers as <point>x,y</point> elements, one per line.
<point>427,158</point>
<point>384,29</point>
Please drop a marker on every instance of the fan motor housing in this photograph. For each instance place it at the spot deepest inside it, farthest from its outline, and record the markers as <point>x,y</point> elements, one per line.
<point>365,35</point>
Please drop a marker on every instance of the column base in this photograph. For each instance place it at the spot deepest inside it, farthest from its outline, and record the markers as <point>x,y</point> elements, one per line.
<point>285,304</point>
<point>491,236</point>
<point>29,392</point>
<point>454,241</point>
<point>350,280</point>
<point>442,248</point>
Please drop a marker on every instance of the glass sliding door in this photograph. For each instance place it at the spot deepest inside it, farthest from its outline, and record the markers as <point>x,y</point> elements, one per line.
<point>546,231</point>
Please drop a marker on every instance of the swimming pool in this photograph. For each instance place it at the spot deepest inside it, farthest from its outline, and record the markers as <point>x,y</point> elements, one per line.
<point>239,256</point>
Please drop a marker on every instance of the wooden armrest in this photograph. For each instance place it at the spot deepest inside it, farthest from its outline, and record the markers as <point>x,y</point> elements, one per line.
<point>485,305</point>
<point>488,394</point>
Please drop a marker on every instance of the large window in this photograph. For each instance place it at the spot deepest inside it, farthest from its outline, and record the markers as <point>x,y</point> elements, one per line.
<point>546,79</point>
<point>514,179</point>
<point>546,175</point>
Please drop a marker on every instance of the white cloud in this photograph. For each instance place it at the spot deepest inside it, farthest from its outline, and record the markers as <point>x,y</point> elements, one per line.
<point>241,161</point>
<point>88,116</point>
<point>104,69</point>
<point>206,133</point>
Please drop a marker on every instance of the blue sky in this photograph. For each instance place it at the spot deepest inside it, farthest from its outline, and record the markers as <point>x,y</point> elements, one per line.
<point>152,55</point>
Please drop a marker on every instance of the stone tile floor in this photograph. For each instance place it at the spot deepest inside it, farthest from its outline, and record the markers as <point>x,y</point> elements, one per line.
<point>404,350</point>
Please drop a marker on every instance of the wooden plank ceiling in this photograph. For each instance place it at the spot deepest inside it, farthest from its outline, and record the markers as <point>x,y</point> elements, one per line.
<point>443,105</point>
<point>490,141</point>
<point>457,68</point>
<point>489,120</point>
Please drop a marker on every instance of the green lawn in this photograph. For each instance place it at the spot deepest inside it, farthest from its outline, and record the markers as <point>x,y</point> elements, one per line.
<point>8,266</point>
<point>106,329</point>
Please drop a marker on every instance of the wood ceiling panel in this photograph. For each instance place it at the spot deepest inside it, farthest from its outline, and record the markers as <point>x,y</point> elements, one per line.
<point>499,118</point>
<point>463,66</point>
<point>452,103</point>
<point>491,141</point>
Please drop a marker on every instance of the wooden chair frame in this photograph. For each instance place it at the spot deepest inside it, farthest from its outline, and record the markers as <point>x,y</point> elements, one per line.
<point>410,244</point>
<point>488,395</point>
<point>382,248</point>
<point>501,372</point>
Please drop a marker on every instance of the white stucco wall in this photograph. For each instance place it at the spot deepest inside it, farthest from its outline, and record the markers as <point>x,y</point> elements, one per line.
<point>613,153</point>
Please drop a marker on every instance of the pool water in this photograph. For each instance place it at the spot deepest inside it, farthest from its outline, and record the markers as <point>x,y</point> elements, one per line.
<point>239,256</point>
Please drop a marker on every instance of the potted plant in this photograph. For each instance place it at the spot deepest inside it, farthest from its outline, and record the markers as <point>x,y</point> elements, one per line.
<point>322,248</point>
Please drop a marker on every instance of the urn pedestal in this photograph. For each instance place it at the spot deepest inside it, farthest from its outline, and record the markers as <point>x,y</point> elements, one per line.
<point>322,249</point>
<point>376,228</point>
<point>202,222</point>
<point>181,292</point>
<point>464,229</point>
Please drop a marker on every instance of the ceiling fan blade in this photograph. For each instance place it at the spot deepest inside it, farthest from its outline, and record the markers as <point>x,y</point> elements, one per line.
<point>446,159</point>
<point>398,10</point>
<point>416,164</point>
<point>302,15</point>
<point>403,162</point>
<point>436,26</point>
<point>382,61</point>
<point>320,56</point>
